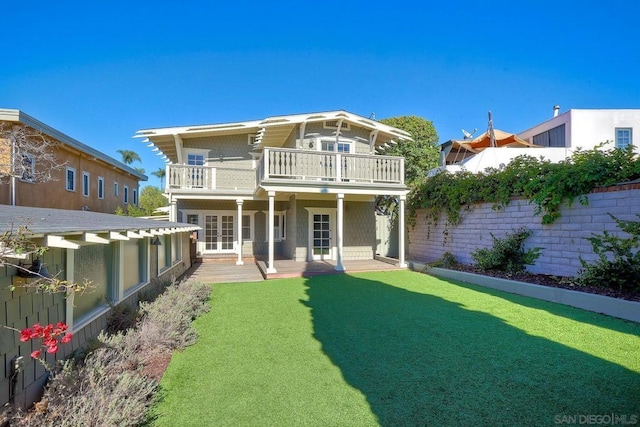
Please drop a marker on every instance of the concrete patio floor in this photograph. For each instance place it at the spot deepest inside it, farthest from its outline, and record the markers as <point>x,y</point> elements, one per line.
<point>226,270</point>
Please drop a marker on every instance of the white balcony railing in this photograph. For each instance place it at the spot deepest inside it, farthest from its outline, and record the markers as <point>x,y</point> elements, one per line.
<point>186,177</point>
<point>279,163</point>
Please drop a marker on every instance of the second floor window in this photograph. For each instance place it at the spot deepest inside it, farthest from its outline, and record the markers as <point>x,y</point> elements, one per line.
<point>335,147</point>
<point>71,179</point>
<point>623,137</point>
<point>135,197</point>
<point>85,184</point>
<point>195,159</point>
<point>100,187</point>
<point>28,168</point>
<point>115,189</point>
<point>125,193</point>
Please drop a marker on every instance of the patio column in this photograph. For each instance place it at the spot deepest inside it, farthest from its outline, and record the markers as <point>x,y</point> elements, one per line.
<point>401,263</point>
<point>270,267</point>
<point>239,238</point>
<point>339,266</point>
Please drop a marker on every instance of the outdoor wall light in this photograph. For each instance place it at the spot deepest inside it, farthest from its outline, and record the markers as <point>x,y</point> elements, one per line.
<point>156,241</point>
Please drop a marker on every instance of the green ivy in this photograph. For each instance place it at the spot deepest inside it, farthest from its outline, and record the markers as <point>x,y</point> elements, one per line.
<point>545,184</point>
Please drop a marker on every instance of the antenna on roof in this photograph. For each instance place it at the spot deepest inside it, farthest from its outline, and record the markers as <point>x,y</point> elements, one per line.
<point>468,135</point>
<point>372,116</point>
<point>492,136</point>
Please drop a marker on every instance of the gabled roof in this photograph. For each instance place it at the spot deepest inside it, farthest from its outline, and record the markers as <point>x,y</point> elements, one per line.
<point>268,130</point>
<point>11,115</point>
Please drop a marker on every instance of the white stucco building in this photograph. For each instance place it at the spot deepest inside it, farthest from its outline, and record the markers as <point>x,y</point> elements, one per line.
<point>586,128</point>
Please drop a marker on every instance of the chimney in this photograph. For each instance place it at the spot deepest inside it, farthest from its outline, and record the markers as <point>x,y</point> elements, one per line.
<point>556,109</point>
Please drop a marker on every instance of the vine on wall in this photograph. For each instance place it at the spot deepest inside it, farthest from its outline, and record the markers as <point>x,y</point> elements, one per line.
<point>545,184</point>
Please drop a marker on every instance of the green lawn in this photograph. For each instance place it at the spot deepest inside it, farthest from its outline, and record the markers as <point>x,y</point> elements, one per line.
<point>397,348</point>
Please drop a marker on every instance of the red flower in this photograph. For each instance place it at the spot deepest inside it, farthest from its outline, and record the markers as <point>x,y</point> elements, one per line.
<point>62,326</point>
<point>35,354</point>
<point>52,349</point>
<point>25,335</point>
<point>66,338</point>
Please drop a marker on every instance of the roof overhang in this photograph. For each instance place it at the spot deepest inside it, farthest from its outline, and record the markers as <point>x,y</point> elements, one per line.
<point>271,131</point>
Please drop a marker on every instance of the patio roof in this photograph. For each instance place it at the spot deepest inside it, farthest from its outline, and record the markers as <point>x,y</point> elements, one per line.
<point>70,229</point>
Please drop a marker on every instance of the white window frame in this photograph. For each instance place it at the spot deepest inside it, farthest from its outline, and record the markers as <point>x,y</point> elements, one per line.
<point>350,143</point>
<point>100,187</point>
<point>29,175</point>
<point>125,194</point>
<point>345,125</point>
<point>196,152</point>
<point>86,183</point>
<point>619,137</point>
<point>115,188</point>
<point>279,232</point>
<point>252,221</point>
<point>74,181</point>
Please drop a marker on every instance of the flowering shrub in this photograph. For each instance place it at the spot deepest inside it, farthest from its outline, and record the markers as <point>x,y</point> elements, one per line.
<point>48,335</point>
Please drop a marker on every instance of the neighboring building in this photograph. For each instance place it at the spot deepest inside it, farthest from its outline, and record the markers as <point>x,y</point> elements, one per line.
<point>555,140</point>
<point>586,128</point>
<point>298,187</point>
<point>89,180</point>
<point>119,255</point>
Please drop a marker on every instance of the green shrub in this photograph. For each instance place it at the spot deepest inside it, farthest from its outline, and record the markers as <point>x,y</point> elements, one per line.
<point>507,254</point>
<point>618,264</point>
<point>447,260</point>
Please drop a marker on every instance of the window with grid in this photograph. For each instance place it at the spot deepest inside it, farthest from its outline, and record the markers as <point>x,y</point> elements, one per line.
<point>71,179</point>
<point>623,137</point>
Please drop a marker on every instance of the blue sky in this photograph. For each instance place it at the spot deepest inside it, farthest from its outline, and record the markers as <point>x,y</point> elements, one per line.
<point>99,71</point>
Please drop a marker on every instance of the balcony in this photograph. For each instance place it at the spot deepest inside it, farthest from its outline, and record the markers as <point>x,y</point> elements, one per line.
<point>291,167</point>
<point>210,178</point>
<point>300,165</point>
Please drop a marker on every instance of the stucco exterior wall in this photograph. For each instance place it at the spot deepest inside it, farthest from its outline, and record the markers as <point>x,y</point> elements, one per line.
<point>563,242</point>
<point>53,194</point>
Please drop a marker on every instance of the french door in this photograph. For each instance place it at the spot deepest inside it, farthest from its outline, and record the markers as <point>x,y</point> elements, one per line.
<point>219,233</point>
<point>321,234</point>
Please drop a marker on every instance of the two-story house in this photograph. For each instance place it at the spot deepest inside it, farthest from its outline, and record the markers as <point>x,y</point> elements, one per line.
<point>299,187</point>
<point>87,179</point>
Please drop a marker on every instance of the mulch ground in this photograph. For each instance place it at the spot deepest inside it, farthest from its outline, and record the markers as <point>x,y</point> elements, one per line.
<point>554,281</point>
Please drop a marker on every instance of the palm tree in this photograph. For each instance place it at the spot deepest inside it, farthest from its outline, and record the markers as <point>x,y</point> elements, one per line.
<point>160,173</point>
<point>129,156</point>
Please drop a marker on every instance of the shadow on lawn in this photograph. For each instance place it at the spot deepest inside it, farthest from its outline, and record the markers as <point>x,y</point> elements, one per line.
<point>422,360</point>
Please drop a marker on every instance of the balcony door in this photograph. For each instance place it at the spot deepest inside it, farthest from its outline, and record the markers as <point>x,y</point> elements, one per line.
<point>219,233</point>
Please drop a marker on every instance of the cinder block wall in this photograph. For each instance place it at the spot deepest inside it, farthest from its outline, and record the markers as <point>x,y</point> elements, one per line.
<point>563,242</point>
